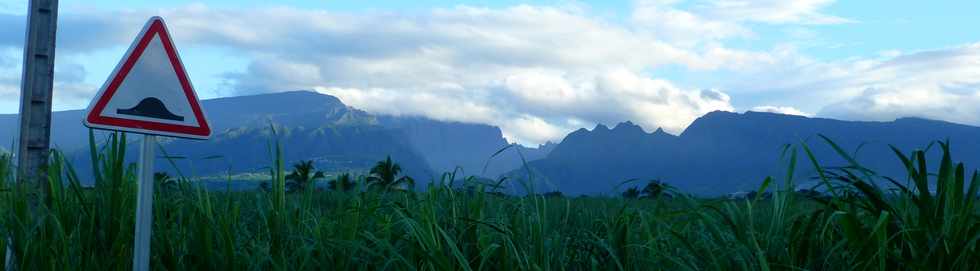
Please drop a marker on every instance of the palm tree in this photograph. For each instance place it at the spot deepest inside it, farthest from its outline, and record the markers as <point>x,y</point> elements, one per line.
<point>656,189</point>
<point>631,193</point>
<point>384,175</point>
<point>342,183</point>
<point>303,174</point>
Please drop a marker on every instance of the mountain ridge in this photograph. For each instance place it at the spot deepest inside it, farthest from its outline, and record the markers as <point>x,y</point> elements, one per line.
<point>723,152</point>
<point>719,152</point>
<point>312,115</point>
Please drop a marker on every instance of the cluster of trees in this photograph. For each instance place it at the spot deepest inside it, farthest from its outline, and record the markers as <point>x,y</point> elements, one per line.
<point>385,175</point>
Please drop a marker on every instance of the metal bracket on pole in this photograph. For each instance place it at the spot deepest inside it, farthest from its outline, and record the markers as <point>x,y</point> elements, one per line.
<point>144,206</point>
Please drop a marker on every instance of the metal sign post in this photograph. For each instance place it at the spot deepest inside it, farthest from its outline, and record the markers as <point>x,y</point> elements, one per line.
<point>148,93</point>
<point>144,205</point>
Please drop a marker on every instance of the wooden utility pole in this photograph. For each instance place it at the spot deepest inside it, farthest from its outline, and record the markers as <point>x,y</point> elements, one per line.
<point>36,88</point>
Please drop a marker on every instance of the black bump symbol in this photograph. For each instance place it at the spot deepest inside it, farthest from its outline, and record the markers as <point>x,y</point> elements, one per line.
<point>151,108</point>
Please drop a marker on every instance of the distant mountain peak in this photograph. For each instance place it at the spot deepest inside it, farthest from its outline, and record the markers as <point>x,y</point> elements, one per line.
<point>301,91</point>
<point>718,113</point>
<point>628,127</point>
<point>918,119</point>
<point>296,93</point>
<point>286,100</point>
<point>600,127</point>
<point>773,115</point>
<point>625,124</point>
<point>548,144</point>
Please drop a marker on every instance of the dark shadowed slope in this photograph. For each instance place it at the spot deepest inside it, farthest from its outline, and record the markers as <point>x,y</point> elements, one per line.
<point>446,145</point>
<point>723,152</point>
<point>592,162</point>
<point>332,148</point>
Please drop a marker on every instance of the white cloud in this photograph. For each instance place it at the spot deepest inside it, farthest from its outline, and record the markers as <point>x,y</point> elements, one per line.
<point>654,103</point>
<point>788,110</point>
<point>532,129</point>
<point>713,20</point>
<point>537,72</point>
<point>667,22</point>
<point>520,105</point>
<point>413,102</point>
<point>773,11</point>
<point>938,84</point>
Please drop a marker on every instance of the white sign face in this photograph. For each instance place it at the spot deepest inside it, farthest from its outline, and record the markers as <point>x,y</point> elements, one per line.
<point>149,91</point>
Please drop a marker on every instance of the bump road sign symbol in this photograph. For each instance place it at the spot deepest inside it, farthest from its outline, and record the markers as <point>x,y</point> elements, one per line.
<point>151,108</point>
<point>149,91</point>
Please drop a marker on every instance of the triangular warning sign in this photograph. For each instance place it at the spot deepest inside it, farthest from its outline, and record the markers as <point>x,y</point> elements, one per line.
<point>149,91</point>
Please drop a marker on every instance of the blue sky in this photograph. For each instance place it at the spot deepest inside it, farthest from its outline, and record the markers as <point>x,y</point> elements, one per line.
<point>539,69</point>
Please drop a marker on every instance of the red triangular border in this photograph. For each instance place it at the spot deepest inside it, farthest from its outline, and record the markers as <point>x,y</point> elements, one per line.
<point>94,118</point>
